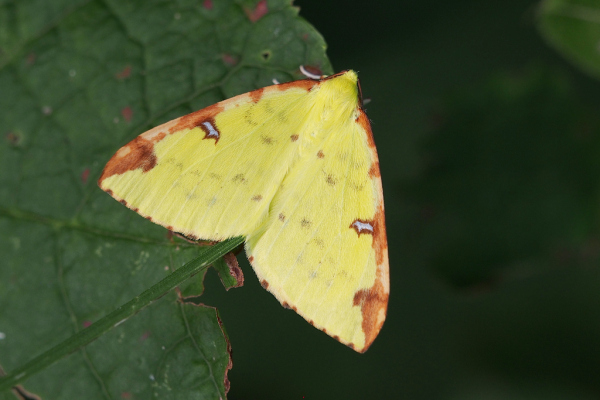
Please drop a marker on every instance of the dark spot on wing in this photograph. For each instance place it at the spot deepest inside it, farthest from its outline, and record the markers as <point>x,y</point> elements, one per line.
<point>267,140</point>
<point>239,178</point>
<point>281,217</point>
<point>258,197</point>
<point>320,154</point>
<point>248,117</point>
<point>294,137</point>
<point>251,258</point>
<point>305,223</point>
<point>330,180</point>
<point>264,283</point>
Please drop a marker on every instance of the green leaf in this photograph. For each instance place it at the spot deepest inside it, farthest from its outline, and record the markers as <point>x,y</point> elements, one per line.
<point>78,80</point>
<point>572,27</point>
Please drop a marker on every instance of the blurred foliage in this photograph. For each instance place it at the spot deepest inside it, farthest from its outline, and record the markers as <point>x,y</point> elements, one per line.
<point>573,28</point>
<point>512,183</point>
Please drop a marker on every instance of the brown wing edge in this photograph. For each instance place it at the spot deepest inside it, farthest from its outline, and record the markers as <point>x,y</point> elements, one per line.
<point>374,301</point>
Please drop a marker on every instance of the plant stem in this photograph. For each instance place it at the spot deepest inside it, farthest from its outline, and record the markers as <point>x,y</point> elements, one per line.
<point>119,315</point>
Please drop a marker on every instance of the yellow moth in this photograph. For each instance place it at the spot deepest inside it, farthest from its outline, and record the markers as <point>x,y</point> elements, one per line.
<point>293,168</point>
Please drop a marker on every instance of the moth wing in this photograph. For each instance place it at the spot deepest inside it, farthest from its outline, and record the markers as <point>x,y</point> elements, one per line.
<point>211,174</point>
<point>323,250</point>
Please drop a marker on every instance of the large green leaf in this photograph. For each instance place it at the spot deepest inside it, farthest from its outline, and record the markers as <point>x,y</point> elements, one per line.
<point>78,79</point>
<point>573,28</point>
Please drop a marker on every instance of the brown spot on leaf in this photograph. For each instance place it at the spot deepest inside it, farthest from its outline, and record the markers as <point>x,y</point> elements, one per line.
<point>31,58</point>
<point>320,154</point>
<point>256,95</point>
<point>258,197</point>
<point>124,73</point>
<point>229,59</point>
<point>137,154</point>
<point>264,283</point>
<point>127,113</point>
<point>259,11</point>
<point>294,137</point>
<point>85,175</point>
<point>234,269</point>
<point>13,138</point>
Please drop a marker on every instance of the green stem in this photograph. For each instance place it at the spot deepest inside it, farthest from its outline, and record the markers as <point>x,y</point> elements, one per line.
<point>87,335</point>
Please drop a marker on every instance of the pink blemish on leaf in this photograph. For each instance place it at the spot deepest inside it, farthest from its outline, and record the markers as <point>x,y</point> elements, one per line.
<point>85,324</point>
<point>305,37</point>
<point>145,336</point>
<point>125,73</point>
<point>126,395</point>
<point>259,11</point>
<point>229,59</point>
<point>127,113</point>
<point>208,4</point>
<point>85,175</point>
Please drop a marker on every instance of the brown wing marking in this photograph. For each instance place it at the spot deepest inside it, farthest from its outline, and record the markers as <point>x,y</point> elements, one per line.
<point>373,301</point>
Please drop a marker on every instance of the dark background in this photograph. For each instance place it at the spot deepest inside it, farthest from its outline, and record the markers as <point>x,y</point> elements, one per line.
<point>488,146</point>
